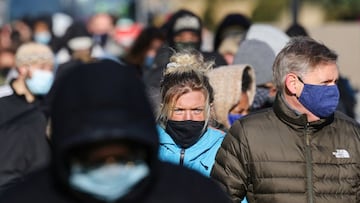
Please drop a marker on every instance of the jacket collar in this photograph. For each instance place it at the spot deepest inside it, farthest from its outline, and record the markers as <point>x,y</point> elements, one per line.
<point>297,121</point>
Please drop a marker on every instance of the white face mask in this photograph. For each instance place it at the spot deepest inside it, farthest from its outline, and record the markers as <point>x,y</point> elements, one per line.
<point>40,82</point>
<point>108,182</point>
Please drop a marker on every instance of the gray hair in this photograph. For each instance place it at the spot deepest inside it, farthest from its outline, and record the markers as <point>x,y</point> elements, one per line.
<point>299,56</point>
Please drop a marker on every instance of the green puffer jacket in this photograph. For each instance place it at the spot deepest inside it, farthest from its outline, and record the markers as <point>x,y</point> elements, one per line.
<point>277,156</point>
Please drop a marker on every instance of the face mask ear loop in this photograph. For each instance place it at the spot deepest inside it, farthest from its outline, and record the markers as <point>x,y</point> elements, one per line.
<point>298,77</point>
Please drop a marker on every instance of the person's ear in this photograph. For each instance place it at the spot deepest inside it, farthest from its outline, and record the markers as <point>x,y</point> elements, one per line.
<point>23,71</point>
<point>291,84</point>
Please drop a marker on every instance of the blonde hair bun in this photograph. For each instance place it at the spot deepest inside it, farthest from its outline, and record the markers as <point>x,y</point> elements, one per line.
<point>187,60</point>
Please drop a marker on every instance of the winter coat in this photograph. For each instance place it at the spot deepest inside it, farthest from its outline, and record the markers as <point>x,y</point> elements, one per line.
<point>199,157</point>
<point>24,146</point>
<point>114,108</point>
<point>275,155</point>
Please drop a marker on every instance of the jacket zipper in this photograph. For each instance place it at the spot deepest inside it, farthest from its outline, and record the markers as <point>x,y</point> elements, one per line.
<point>182,154</point>
<point>309,173</point>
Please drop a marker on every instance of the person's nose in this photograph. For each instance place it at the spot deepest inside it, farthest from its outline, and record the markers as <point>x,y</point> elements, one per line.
<point>188,115</point>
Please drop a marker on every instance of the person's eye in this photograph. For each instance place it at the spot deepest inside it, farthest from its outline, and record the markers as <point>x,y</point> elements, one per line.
<point>197,111</point>
<point>178,111</point>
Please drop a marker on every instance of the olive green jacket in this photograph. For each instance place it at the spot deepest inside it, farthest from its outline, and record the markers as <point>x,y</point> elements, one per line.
<point>277,156</point>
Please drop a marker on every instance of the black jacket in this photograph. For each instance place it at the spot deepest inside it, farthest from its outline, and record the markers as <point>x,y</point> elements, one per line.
<point>277,156</point>
<point>24,147</point>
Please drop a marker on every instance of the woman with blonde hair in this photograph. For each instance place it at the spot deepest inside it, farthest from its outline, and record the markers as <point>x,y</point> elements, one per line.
<point>186,137</point>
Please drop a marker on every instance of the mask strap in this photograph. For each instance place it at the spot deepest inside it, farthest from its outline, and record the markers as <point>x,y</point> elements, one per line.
<point>298,77</point>
<point>300,80</point>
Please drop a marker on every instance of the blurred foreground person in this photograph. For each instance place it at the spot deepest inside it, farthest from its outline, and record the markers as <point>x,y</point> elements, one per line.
<point>24,146</point>
<point>301,149</point>
<point>105,146</point>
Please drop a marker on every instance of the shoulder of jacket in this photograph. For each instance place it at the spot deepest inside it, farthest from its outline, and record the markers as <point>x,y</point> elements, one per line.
<point>6,90</point>
<point>215,130</point>
<point>343,120</point>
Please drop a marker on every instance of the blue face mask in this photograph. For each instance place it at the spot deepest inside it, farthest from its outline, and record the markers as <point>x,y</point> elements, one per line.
<point>42,37</point>
<point>149,60</point>
<point>232,117</point>
<point>40,82</point>
<point>321,100</point>
<point>108,182</point>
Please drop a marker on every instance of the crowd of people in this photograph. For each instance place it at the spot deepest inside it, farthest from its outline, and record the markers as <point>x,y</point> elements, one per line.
<point>84,117</point>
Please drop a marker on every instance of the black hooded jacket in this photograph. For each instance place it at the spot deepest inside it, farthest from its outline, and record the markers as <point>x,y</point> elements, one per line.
<point>105,101</point>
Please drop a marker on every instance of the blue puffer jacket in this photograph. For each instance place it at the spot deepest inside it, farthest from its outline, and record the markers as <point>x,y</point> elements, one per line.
<point>200,156</point>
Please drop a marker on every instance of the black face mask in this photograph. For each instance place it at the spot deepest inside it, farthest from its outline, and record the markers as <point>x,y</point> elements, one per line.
<point>187,45</point>
<point>185,133</point>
